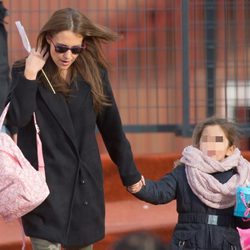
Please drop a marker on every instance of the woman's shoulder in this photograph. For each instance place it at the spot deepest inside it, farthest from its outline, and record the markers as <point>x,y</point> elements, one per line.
<point>105,79</point>
<point>103,72</point>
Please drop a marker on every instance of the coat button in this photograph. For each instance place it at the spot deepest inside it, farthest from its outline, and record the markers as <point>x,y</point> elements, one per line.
<point>83,181</point>
<point>85,203</point>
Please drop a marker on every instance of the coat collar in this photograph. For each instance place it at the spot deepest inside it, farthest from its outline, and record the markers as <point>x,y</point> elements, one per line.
<point>58,106</point>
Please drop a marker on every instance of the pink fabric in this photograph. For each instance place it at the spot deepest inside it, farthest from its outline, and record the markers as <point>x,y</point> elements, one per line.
<point>22,188</point>
<point>244,238</point>
<point>209,190</point>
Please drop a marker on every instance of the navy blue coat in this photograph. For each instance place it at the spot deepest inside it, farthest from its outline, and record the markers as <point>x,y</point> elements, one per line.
<point>190,235</point>
<point>74,213</point>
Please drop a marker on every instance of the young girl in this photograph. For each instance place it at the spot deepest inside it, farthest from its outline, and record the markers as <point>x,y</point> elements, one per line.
<point>204,185</point>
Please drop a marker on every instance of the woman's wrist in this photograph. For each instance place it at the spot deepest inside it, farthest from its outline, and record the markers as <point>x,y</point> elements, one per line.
<point>30,74</point>
<point>137,186</point>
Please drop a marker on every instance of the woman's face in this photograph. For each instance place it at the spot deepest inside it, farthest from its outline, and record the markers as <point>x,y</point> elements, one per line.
<point>63,58</point>
<point>214,143</point>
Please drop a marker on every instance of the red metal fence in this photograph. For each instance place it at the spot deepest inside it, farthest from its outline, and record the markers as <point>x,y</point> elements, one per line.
<point>148,61</point>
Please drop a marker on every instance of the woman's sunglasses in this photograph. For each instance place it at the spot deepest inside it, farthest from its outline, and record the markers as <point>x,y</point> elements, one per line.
<point>63,48</point>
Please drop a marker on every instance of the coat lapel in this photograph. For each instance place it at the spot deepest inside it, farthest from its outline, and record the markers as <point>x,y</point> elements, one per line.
<point>57,105</point>
<point>59,108</point>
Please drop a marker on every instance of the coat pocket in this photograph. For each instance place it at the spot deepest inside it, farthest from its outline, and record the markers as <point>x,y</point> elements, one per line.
<point>184,240</point>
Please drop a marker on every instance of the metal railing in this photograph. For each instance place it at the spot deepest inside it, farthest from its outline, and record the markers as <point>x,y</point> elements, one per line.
<point>177,62</point>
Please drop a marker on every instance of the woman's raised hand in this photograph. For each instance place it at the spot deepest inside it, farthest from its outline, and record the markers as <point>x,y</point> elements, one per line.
<point>35,62</point>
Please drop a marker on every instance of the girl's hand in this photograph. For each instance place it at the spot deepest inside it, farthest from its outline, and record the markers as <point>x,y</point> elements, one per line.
<point>35,62</point>
<point>137,186</point>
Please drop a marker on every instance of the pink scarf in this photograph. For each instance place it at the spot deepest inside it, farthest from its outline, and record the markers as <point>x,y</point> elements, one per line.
<point>209,190</point>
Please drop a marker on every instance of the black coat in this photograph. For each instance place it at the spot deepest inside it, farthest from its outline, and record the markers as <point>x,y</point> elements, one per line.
<point>4,65</point>
<point>190,235</point>
<point>74,213</point>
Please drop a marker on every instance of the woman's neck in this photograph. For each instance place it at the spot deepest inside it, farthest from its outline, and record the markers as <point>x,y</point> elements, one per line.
<point>66,75</point>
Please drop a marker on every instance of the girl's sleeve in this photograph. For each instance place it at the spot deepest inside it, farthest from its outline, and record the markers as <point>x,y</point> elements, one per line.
<point>23,98</point>
<point>110,126</point>
<point>159,192</point>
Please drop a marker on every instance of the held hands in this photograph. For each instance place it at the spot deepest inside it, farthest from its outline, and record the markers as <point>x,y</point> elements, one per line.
<point>35,62</point>
<point>137,186</point>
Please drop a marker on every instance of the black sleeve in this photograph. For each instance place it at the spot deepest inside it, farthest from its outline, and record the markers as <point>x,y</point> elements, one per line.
<point>23,98</point>
<point>110,126</point>
<point>4,66</point>
<point>159,191</point>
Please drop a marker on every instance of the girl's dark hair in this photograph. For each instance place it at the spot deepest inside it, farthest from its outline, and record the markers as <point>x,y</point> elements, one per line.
<point>89,62</point>
<point>230,129</point>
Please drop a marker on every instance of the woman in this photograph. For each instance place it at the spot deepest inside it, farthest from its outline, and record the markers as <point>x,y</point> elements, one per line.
<point>65,82</point>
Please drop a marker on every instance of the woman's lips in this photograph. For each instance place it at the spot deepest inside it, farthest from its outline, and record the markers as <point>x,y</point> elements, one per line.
<point>64,63</point>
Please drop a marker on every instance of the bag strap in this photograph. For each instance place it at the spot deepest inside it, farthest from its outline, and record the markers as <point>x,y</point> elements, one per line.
<point>2,117</point>
<point>41,165</point>
<point>22,233</point>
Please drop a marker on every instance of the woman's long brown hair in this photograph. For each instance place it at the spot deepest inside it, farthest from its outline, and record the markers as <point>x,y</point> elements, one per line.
<point>90,60</point>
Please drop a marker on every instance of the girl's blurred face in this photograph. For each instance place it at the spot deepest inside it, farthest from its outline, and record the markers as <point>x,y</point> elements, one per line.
<point>64,48</point>
<point>214,143</point>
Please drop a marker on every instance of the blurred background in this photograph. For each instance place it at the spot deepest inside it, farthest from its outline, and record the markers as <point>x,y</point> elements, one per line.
<point>177,62</point>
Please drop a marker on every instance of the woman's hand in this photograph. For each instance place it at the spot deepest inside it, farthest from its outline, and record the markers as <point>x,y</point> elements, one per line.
<point>35,62</point>
<point>137,186</point>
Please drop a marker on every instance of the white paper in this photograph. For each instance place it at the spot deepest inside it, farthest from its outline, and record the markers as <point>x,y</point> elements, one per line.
<point>23,36</point>
<point>27,46</point>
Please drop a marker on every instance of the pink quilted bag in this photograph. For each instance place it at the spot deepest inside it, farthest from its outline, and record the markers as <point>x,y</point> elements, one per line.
<point>22,187</point>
